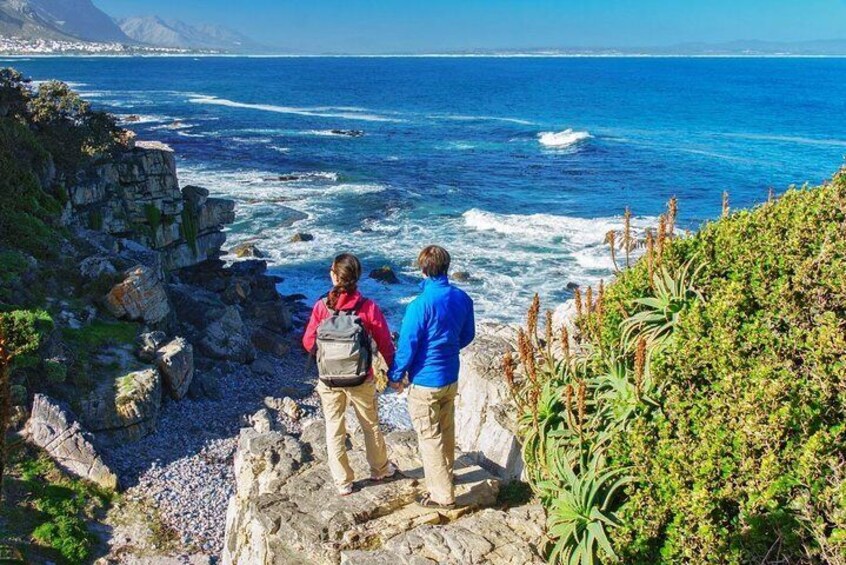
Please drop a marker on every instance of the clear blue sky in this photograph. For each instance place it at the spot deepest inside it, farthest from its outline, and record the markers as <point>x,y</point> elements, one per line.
<point>390,26</point>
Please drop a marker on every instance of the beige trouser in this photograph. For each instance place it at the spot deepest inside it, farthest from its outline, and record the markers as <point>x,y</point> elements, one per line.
<point>363,400</point>
<point>432,413</point>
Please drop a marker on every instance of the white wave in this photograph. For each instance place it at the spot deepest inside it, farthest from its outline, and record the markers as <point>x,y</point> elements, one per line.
<point>789,139</point>
<point>186,134</point>
<point>566,138</point>
<point>468,118</point>
<point>280,149</point>
<point>320,112</point>
<point>325,133</point>
<point>547,227</point>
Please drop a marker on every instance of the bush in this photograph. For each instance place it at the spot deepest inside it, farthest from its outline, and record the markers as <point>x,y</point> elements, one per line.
<point>729,429</point>
<point>55,372</point>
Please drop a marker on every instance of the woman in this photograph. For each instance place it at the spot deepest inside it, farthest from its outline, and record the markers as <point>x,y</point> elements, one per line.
<point>345,369</point>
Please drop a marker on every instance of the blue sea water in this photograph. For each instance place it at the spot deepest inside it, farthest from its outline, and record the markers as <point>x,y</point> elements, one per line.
<point>473,153</point>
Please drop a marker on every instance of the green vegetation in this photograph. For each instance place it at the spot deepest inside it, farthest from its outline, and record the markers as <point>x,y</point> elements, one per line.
<point>696,414</point>
<point>100,333</point>
<point>154,218</point>
<point>189,227</point>
<point>51,508</point>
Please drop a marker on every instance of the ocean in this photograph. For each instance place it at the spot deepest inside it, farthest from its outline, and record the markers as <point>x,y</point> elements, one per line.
<point>518,166</point>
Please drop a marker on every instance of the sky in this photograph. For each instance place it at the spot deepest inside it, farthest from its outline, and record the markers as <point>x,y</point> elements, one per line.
<point>403,26</point>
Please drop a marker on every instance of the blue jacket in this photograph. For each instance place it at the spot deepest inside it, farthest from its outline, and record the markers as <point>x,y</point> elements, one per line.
<point>437,325</point>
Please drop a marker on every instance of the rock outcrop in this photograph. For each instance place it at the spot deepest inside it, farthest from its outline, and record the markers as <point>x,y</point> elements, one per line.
<point>125,408</point>
<point>139,297</point>
<point>53,427</point>
<point>136,196</point>
<point>485,414</point>
<point>286,509</point>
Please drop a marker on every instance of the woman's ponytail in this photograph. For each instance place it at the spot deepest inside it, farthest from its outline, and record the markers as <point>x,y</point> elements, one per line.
<point>347,269</point>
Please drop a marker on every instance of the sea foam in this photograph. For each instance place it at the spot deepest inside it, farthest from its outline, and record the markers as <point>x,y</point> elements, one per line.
<point>567,138</point>
<point>320,112</point>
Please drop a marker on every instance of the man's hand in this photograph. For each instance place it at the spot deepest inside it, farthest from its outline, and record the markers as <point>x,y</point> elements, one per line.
<point>398,387</point>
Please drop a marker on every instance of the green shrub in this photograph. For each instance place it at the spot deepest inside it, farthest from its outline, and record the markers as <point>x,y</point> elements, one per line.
<point>100,333</point>
<point>153,216</point>
<point>732,426</point>
<point>189,227</point>
<point>55,372</point>
<point>63,506</point>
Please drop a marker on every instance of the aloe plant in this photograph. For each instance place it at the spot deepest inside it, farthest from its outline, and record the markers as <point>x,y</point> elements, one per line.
<point>582,512</point>
<point>655,322</point>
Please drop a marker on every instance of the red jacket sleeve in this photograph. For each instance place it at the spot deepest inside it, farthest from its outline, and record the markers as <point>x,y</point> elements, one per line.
<point>377,325</point>
<point>318,314</point>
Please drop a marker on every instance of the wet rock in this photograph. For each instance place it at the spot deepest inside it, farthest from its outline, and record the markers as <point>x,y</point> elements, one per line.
<point>195,196</point>
<point>245,250</point>
<point>348,132</point>
<point>571,286</point>
<point>461,276</point>
<point>54,428</point>
<point>140,297</point>
<point>132,118</point>
<point>301,237</point>
<point>384,274</point>
<point>176,365</point>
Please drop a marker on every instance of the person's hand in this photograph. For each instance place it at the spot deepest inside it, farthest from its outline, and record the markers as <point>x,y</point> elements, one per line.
<point>398,387</point>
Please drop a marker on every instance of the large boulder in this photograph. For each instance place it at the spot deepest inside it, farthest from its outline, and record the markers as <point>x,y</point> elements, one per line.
<point>228,338</point>
<point>54,428</point>
<point>175,361</point>
<point>485,413</point>
<point>125,408</point>
<point>139,297</point>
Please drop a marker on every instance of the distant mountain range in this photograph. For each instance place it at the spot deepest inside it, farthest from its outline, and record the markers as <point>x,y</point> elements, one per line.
<point>152,30</point>
<point>75,20</point>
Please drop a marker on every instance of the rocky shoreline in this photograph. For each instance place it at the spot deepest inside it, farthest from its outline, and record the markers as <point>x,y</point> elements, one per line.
<point>212,354</point>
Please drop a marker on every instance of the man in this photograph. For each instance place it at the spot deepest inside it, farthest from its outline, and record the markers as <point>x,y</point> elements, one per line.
<point>436,326</point>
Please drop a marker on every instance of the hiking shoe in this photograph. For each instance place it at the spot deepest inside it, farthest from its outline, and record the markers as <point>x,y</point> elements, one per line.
<point>390,473</point>
<point>345,490</point>
<point>426,501</point>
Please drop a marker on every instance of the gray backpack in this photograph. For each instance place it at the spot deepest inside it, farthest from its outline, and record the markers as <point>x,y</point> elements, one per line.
<point>344,348</point>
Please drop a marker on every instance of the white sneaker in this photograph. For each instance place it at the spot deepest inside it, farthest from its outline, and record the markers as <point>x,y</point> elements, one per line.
<point>389,473</point>
<point>345,490</point>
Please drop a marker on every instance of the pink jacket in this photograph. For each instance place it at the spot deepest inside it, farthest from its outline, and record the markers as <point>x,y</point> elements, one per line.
<point>370,314</point>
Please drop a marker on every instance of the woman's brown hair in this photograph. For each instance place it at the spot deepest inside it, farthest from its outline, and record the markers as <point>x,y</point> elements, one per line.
<point>347,268</point>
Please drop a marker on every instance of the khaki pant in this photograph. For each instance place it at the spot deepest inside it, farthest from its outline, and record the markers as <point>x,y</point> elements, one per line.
<point>432,413</point>
<point>363,400</point>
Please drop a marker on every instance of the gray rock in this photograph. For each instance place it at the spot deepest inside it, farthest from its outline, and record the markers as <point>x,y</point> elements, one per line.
<point>461,276</point>
<point>196,196</point>
<point>176,364</point>
<point>96,266</point>
<point>271,342</point>
<point>227,338</point>
<point>291,409</point>
<point>262,422</point>
<point>286,510</point>
<point>140,297</point>
<point>149,343</point>
<point>264,367</point>
<point>205,386</point>
<point>485,414</point>
<point>54,428</point>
